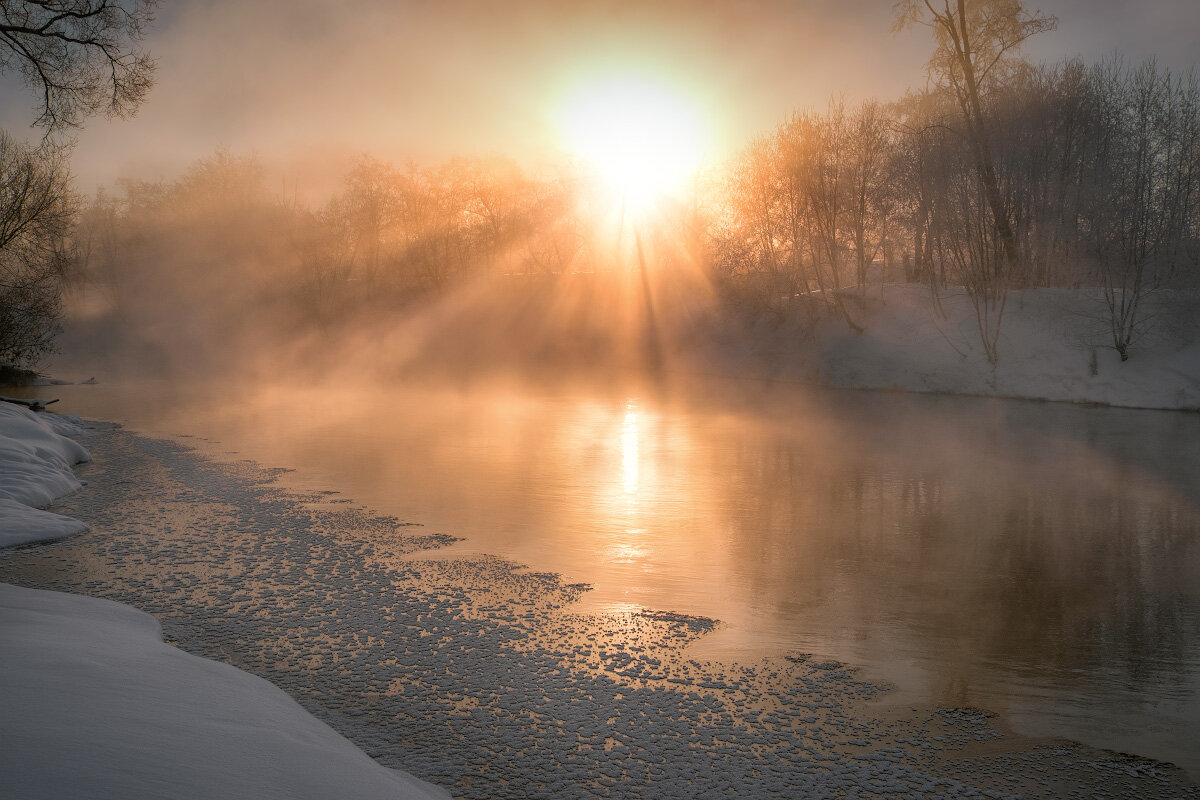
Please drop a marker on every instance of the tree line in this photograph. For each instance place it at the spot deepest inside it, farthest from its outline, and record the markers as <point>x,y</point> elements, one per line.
<point>389,236</point>
<point>1001,175</point>
<point>224,249</point>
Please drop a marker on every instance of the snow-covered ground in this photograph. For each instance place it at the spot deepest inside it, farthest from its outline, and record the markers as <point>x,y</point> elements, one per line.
<point>1053,345</point>
<point>35,470</point>
<point>94,704</point>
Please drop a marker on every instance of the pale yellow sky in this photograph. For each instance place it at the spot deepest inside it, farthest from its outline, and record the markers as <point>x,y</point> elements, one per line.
<point>294,80</point>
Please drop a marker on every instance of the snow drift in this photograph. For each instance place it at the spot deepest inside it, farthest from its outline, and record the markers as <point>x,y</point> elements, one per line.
<point>96,705</point>
<point>35,470</point>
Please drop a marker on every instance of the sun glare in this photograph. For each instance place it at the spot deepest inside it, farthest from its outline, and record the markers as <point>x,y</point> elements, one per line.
<point>643,138</point>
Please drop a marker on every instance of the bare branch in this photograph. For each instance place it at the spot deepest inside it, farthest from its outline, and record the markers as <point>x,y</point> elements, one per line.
<point>81,56</point>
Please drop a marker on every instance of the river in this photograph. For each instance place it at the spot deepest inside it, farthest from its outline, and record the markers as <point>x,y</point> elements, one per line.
<point>1038,560</point>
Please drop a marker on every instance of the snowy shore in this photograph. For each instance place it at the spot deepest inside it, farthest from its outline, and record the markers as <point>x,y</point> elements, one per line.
<point>94,704</point>
<point>35,469</point>
<point>1054,344</point>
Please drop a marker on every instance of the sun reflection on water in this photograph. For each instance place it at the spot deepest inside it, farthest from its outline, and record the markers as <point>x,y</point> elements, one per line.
<point>631,550</point>
<point>629,449</point>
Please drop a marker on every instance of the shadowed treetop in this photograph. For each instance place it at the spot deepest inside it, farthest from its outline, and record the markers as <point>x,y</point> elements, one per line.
<point>80,56</point>
<point>974,37</point>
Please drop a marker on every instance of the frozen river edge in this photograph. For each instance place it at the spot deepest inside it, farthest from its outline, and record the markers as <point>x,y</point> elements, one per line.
<point>477,675</point>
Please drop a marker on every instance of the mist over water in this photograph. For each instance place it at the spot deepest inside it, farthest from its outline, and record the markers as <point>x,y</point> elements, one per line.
<point>469,268</point>
<point>1039,561</point>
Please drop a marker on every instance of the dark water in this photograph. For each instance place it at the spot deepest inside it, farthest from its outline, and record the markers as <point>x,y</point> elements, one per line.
<point>1037,560</point>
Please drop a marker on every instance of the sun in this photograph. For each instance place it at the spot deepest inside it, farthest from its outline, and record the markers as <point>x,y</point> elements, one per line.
<point>644,138</point>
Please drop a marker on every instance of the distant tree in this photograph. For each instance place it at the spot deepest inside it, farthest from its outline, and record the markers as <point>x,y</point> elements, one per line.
<point>976,44</point>
<point>96,242</point>
<point>758,245</point>
<point>825,169</point>
<point>36,210</point>
<point>552,232</point>
<point>871,182</point>
<point>805,202</point>
<point>920,139</point>
<point>1143,210</point>
<point>368,207</point>
<point>975,53</point>
<point>1048,126</point>
<point>79,56</point>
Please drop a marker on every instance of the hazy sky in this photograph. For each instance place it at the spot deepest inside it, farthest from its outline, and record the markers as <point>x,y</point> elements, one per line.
<point>426,79</point>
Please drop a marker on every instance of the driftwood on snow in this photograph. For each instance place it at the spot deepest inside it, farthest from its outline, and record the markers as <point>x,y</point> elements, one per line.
<point>33,404</point>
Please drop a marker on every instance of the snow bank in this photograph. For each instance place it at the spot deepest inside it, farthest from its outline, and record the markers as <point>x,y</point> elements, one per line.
<point>35,470</point>
<point>96,705</point>
<point>20,524</point>
<point>1053,345</point>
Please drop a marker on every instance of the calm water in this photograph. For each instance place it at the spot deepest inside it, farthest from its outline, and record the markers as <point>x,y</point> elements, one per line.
<point>1041,561</point>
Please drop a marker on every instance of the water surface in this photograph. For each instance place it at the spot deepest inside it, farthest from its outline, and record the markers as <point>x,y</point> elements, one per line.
<point>1041,561</point>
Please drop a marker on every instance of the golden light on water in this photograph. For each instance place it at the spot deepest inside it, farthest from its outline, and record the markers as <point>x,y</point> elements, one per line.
<point>629,450</point>
<point>643,136</point>
<point>631,549</point>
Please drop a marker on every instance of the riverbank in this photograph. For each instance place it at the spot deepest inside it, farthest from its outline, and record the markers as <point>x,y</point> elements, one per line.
<point>1053,344</point>
<point>481,676</point>
<point>95,703</point>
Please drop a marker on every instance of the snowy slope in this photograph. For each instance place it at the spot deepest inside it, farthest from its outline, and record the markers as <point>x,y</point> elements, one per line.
<point>1053,345</point>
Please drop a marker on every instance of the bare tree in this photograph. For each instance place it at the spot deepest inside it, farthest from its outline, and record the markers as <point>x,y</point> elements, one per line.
<point>826,173</point>
<point>976,41</point>
<point>870,204</point>
<point>36,209</point>
<point>79,56</point>
<point>803,201</point>
<point>1144,207</point>
<point>368,207</point>
<point>1044,112</point>
<point>759,240</point>
<point>552,233</point>
<point>921,138</point>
